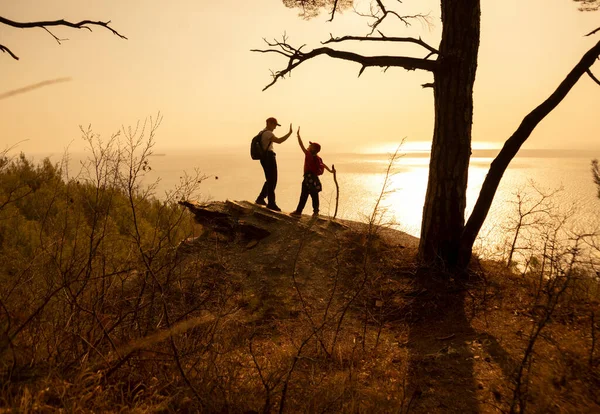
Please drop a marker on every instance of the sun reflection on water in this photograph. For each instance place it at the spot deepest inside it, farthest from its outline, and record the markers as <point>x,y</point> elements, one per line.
<point>405,193</point>
<point>403,201</point>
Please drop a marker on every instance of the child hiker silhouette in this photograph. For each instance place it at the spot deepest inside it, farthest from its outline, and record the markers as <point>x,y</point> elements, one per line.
<point>311,185</point>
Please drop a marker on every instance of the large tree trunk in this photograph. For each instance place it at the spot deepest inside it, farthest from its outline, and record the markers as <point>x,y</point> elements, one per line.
<point>445,201</point>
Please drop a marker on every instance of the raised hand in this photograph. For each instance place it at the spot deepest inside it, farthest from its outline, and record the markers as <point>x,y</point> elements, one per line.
<point>298,133</point>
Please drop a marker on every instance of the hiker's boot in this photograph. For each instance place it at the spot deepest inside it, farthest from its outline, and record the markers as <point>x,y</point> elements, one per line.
<point>260,201</point>
<point>273,207</point>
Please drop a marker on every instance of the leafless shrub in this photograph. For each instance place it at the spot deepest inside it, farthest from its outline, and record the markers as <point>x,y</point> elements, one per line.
<point>91,275</point>
<point>561,280</point>
<point>534,210</point>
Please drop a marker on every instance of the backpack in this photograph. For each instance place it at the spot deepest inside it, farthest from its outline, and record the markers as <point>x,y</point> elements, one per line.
<point>257,151</point>
<point>320,168</point>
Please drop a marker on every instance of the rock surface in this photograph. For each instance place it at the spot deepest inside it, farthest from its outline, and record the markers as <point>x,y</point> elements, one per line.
<point>253,222</point>
<point>279,255</point>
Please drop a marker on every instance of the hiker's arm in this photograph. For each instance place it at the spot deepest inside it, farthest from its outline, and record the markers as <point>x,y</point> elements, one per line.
<point>327,168</point>
<point>283,138</point>
<point>300,142</point>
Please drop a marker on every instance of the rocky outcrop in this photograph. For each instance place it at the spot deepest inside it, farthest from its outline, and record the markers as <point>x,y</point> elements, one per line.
<point>251,223</point>
<point>230,218</point>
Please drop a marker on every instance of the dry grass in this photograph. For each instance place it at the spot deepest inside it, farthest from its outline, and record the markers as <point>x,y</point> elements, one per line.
<point>399,345</point>
<point>102,309</point>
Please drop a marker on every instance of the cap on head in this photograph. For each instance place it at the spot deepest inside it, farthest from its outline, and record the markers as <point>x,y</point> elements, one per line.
<point>316,145</point>
<point>272,120</point>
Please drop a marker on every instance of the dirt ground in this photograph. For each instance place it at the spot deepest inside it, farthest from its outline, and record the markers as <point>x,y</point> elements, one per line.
<point>389,336</point>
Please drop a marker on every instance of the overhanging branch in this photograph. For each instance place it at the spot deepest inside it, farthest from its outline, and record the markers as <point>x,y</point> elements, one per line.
<point>84,24</point>
<point>383,38</point>
<point>513,144</point>
<point>297,57</point>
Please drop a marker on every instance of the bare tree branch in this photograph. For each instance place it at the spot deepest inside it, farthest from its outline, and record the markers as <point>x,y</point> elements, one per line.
<point>54,36</point>
<point>296,57</point>
<point>513,144</point>
<point>84,24</point>
<point>383,12</point>
<point>383,38</point>
<point>593,31</point>
<point>333,10</point>
<point>591,75</point>
<point>7,50</point>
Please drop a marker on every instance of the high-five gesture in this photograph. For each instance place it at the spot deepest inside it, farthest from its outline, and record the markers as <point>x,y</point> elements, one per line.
<point>300,141</point>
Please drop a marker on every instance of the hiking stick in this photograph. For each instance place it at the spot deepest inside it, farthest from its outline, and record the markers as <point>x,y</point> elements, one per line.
<point>337,190</point>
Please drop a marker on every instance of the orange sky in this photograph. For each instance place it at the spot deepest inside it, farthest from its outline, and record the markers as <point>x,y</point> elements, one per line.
<point>191,61</point>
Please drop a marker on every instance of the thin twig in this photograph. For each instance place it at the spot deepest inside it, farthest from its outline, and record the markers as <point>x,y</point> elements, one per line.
<point>591,75</point>
<point>337,190</point>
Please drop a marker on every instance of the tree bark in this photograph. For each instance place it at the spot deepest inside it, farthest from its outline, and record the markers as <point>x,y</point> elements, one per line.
<point>445,200</point>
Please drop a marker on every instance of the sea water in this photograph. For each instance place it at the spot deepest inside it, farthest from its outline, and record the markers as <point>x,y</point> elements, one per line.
<point>233,175</point>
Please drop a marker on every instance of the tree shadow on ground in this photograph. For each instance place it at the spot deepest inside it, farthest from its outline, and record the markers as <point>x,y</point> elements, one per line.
<point>441,368</point>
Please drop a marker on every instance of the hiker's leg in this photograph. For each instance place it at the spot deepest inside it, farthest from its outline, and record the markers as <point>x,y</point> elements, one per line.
<point>315,201</point>
<point>265,188</point>
<point>271,178</point>
<point>303,198</point>
<point>263,192</point>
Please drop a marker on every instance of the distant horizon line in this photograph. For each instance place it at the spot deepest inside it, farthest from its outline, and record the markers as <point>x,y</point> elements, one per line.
<point>419,153</point>
<point>487,153</point>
